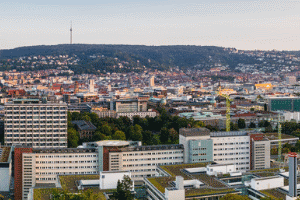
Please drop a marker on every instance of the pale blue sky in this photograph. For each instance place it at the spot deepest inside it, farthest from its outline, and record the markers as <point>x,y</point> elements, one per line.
<point>243,24</point>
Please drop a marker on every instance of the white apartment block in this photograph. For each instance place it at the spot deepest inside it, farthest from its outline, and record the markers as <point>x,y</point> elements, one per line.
<point>42,166</point>
<point>232,148</point>
<point>142,161</point>
<point>261,154</point>
<point>35,123</point>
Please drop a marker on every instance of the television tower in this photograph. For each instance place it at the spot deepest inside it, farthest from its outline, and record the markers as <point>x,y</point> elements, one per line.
<point>71,33</point>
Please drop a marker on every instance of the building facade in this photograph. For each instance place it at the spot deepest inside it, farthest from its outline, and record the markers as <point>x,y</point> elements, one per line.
<point>35,123</point>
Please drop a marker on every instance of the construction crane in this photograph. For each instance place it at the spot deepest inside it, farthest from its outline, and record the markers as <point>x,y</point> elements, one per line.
<point>279,138</point>
<point>228,100</point>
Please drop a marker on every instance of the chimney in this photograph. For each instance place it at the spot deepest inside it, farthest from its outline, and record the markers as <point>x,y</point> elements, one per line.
<point>293,174</point>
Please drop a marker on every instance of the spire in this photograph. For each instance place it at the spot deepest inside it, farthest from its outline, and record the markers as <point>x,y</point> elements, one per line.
<point>71,33</point>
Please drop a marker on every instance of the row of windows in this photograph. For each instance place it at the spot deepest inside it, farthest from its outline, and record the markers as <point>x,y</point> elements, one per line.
<point>64,173</point>
<point>232,143</point>
<point>145,159</point>
<point>35,117</point>
<point>33,140</point>
<point>225,154</point>
<point>199,149</point>
<point>35,135</point>
<point>242,158</point>
<point>40,144</point>
<point>57,162</point>
<point>199,160</point>
<point>36,113</point>
<point>37,122</point>
<point>224,149</point>
<point>199,154</point>
<point>152,153</point>
<point>64,167</point>
<point>35,108</point>
<point>35,131</point>
<point>67,156</point>
<point>36,126</point>
<point>153,164</point>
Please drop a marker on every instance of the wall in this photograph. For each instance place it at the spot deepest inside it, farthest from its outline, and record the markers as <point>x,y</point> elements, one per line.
<point>18,171</point>
<point>109,180</point>
<point>267,183</point>
<point>200,151</point>
<point>5,178</point>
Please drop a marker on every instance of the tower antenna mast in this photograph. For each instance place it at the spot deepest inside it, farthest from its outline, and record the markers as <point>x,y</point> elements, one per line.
<point>71,33</point>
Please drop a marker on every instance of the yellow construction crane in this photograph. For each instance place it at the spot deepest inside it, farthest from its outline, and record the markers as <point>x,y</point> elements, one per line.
<point>279,138</point>
<point>228,100</point>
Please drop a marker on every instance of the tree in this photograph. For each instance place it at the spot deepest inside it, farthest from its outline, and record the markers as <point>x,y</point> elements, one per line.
<point>86,117</point>
<point>164,135</point>
<point>123,191</point>
<point>174,136</point>
<point>234,197</point>
<point>73,138</point>
<point>252,125</point>
<point>98,136</point>
<point>135,133</point>
<point>241,123</point>
<point>147,137</point>
<point>119,135</point>
<point>234,126</point>
<point>106,130</point>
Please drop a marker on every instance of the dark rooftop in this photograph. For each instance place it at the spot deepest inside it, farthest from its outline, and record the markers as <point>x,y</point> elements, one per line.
<point>194,132</point>
<point>84,125</point>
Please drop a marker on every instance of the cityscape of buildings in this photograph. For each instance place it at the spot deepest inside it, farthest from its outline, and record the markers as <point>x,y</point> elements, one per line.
<point>86,131</point>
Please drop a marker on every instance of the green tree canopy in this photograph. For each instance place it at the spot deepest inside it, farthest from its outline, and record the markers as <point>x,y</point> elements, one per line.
<point>119,135</point>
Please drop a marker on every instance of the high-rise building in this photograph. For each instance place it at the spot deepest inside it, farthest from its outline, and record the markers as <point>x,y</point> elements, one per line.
<point>91,86</point>
<point>151,81</point>
<point>35,123</point>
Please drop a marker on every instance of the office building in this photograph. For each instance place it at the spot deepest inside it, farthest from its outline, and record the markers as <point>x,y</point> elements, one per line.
<point>291,104</point>
<point>35,123</point>
<point>201,145</point>
<point>260,151</point>
<point>36,166</point>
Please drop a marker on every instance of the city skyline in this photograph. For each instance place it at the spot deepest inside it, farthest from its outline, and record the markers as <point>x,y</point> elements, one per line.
<point>249,25</point>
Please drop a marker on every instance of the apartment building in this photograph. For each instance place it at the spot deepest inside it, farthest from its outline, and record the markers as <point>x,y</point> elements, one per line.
<point>41,166</point>
<point>35,123</point>
<point>260,151</point>
<point>201,145</point>
<point>142,161</point>
<point>36,166</point>
<point>232,148</point>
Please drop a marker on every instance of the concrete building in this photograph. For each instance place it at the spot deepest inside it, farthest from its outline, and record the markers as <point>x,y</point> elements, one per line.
<point>35,123</point>
<point>109,180</point>
<point>291,80</point>
<point>85,128</point>
<point>151,81</point>
<point>221,147</point>
<point>267,183</point>
<point>142,161</point>
<point>129,105</point>
<point>260,152</point>
<point>42,166</point>
<point>5,168</point>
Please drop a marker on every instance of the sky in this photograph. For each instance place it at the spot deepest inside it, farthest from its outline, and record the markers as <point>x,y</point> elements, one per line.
<point>241,24</point>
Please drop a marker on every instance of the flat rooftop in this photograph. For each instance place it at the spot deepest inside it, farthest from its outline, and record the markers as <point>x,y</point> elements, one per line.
<point>194,132</point>
<point>4,154</point>
<point>274,136</point>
